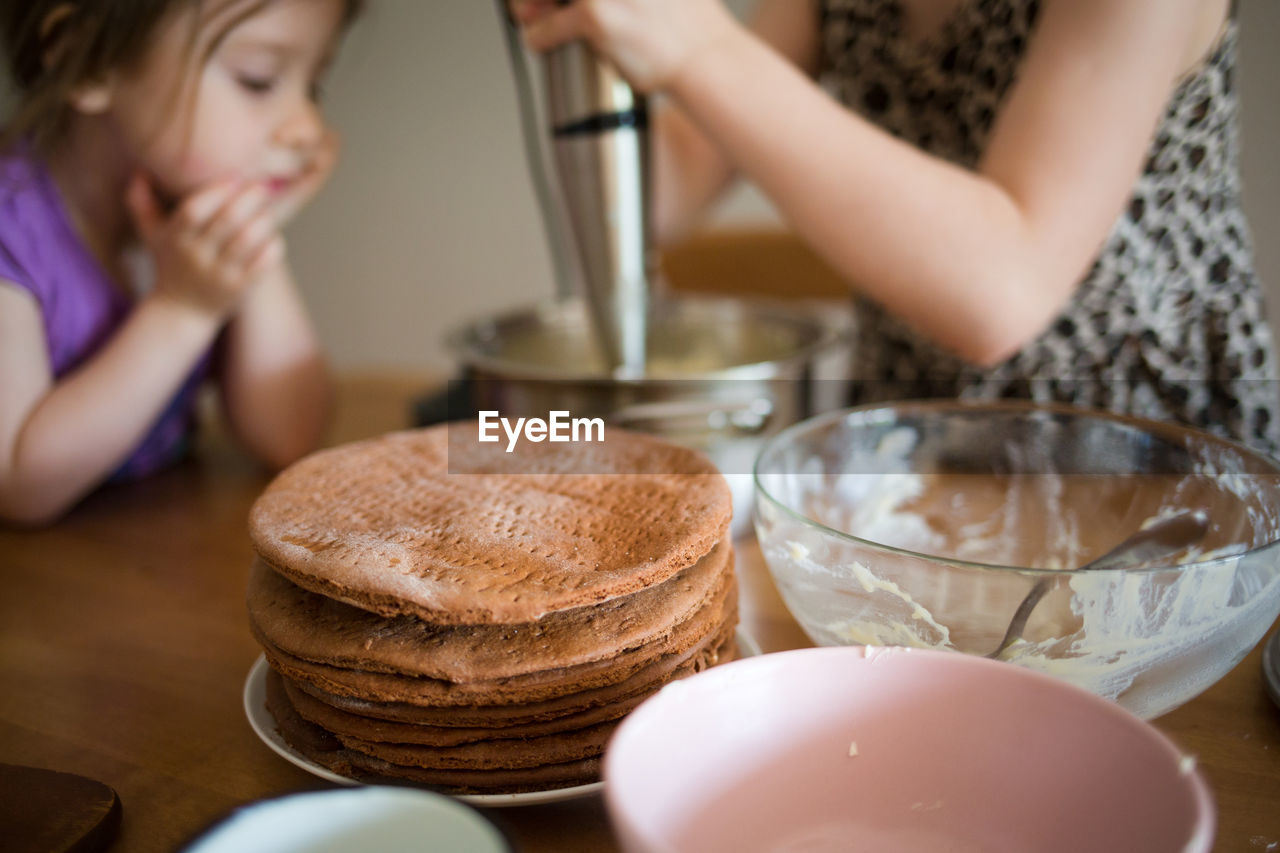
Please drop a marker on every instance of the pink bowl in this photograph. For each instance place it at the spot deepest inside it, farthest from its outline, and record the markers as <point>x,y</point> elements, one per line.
<point>857,748</point>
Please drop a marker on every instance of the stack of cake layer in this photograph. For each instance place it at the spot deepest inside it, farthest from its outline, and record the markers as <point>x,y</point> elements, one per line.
<point>453,615</point>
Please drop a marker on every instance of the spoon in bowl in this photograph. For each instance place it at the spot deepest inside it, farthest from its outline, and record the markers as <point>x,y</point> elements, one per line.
<point>1161,538</point>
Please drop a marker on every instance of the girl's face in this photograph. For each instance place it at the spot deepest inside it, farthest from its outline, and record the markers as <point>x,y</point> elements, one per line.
<point>208,102</point>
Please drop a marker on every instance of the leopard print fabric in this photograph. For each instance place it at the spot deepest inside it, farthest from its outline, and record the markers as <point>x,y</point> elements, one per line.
<point>1169,323</point>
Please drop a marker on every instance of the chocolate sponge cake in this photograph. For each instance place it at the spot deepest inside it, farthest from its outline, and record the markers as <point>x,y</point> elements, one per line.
<point>446,614</point>
<point>411,523</point>
<point>315,628</point>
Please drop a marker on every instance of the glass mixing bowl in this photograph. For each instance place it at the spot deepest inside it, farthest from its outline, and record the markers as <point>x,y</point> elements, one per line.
<point>925,524</point>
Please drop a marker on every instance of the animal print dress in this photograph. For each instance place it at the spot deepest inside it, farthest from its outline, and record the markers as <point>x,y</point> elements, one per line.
<point>1169,323</point>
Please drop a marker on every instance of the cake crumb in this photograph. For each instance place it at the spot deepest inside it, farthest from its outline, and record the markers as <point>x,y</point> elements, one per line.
<point>853,748</point>
<point>1186,764</point>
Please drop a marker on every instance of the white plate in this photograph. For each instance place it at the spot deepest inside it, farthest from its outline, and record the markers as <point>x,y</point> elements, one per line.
<point>264,726</point>
<point>255,708</point>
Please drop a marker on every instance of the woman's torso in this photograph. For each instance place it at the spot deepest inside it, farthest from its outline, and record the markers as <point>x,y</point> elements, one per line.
<point>1169,322</point>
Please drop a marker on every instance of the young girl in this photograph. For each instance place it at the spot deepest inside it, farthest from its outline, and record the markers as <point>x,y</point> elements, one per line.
<point>156,151</point>
<point>1036,197</point>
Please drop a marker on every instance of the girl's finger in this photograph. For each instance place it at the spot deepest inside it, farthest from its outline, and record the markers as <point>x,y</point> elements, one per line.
<point>243,246</point>
<point>267,256</point>
<point>144,208</point>
<point>249,201</point>
<point>197,209</point>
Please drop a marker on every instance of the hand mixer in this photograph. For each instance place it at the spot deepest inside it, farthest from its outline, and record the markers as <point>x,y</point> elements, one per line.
<point>586,138</point>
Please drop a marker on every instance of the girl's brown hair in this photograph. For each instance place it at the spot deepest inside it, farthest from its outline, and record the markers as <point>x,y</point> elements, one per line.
<point>52,46</point>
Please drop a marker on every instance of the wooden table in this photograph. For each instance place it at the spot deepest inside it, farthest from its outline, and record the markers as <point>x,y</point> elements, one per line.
<point>124,649</point>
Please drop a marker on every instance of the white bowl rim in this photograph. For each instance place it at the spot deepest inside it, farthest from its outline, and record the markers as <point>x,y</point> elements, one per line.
<point>253,816</point>
<point>1011,406</point>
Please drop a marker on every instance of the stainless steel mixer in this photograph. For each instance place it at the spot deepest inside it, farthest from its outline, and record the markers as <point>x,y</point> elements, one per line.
<point>586,137</point>
<point>719,375</point>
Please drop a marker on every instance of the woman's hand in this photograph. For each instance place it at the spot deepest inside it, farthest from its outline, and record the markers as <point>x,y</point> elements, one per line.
<point>215,245</point>
<point>649,41</point>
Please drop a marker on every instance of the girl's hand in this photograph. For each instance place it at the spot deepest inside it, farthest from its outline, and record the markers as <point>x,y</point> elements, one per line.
<point>649,41</point>
<point>313,177</point>
<point>215,245</point>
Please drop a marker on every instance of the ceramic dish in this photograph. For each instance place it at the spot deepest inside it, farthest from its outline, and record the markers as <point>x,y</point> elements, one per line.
<point>909,750</point>
<point>264,726</point>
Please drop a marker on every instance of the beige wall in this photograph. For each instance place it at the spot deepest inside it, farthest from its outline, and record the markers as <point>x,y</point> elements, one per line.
<point>431,219</point>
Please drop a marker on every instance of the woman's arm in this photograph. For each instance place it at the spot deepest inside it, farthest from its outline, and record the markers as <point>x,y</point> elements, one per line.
<point>981,260</point>
<point>275,385</point>
<point>690,170</point>
<point>59,441</point>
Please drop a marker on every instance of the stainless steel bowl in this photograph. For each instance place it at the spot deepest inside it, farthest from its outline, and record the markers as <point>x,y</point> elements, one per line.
<point>721,374</point>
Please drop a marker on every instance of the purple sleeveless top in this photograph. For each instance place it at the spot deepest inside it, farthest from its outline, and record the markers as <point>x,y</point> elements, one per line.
<point>81,307</point>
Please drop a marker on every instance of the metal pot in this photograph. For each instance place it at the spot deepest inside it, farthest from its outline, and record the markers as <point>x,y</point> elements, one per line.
<point>721,375</point>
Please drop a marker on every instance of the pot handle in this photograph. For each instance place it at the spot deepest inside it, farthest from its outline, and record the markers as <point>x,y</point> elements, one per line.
<point>453,402</point>
<point>738,418</point>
